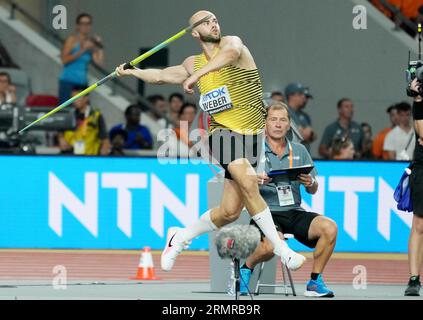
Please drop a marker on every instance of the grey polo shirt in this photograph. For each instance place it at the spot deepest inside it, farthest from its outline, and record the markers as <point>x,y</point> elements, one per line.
<point>294,117</point>
<point>303,119</point>
<point>335,130</point>
<point>300,157</point>
<point>298,120</point>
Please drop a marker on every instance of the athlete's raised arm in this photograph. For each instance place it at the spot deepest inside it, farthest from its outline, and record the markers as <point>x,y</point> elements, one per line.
<point>173,75</point>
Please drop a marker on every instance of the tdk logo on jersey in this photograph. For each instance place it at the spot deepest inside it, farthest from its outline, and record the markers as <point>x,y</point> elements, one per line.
<point>216,101</point>
<point>214,94</point>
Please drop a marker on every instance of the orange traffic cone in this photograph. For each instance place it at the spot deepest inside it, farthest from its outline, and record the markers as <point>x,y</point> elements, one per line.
<point>145,266</point>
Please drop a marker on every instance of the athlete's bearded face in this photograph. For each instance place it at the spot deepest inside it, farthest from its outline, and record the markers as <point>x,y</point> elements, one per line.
<point>210,38</point>
<point>208,31</point>
<point>213,36</point>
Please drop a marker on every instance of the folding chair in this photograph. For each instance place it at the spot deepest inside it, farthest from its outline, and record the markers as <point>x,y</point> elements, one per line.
<point>286,273</point>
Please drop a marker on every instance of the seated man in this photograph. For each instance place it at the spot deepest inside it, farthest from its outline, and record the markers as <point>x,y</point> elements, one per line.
<point>138,137</point>
<point>90,134</point>
<point>284,200</point>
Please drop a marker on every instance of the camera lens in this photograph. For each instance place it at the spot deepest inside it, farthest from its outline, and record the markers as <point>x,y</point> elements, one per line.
<point>419,74</point>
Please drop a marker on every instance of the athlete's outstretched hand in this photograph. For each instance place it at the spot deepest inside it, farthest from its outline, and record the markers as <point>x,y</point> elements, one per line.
<point>189,84</point>
<point>121,72</point>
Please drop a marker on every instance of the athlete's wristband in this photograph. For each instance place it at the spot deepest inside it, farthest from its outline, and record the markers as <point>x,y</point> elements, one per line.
<point>418,110</point>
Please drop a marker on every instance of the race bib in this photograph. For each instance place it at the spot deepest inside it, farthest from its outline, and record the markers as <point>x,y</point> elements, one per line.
<point>286,198</point>
<point>216,101</point>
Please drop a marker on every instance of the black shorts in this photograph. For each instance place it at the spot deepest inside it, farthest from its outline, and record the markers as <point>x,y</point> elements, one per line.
<point>416,187</point>
<point>295,222</point>
<point>227,146</point>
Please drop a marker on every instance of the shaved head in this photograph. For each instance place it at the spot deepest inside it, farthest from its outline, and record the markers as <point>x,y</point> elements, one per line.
<point>199,15</point>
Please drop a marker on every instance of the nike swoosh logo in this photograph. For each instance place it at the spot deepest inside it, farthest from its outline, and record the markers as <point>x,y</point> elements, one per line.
<point>170,241</point>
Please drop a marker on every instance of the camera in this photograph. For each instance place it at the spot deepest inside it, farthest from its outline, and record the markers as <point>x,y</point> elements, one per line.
<point>414,70</point>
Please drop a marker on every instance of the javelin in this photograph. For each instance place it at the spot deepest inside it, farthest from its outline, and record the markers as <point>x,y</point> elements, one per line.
<point>128,65</point>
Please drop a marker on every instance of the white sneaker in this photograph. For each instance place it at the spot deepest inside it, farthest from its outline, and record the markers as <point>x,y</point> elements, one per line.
<point>172,249</point>
<point>293,260</point>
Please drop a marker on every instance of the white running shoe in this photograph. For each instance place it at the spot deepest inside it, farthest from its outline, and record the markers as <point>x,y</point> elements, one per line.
<point>292,260</point>
<point>172,249</point>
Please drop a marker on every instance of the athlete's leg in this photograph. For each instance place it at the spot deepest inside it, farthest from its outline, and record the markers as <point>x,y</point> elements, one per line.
<point>245,176</point>
<point>228,211</point>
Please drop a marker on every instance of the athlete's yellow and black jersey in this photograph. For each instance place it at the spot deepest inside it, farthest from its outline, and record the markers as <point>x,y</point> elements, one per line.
<point>233,97</point>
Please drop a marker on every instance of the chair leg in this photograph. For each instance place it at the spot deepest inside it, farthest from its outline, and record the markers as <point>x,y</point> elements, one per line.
<point>291,282</point>
<point>284,279</point>
<point>257,290</point>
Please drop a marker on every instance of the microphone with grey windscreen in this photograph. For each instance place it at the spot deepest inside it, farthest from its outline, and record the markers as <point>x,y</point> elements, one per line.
<point>237,241</point>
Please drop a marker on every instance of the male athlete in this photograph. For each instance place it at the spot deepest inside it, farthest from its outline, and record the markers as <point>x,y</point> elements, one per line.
<point>231,92</point>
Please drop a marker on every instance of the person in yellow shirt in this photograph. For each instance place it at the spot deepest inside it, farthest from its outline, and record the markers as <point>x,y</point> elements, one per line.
<point>90,134</point>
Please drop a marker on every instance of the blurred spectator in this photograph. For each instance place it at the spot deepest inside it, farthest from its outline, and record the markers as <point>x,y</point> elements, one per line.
<point>160,109</point>
<point>186,118</point>
<point>176,100</point>
<point>308,93</point>
<point>90,134</point>
<point>138,137</point>
<point>400,142</point>
<point>377,147</point>
<point>342,149</point>
<point>6,60</point>
<point>295,94</point>
<point>304,118</point>
<point>117,139</point>
<point>7,90</point>
<point>343,127</point>
<point>302,115</point>
<point>367,141</point>
<point>77,53</point>
<point>277,96</point>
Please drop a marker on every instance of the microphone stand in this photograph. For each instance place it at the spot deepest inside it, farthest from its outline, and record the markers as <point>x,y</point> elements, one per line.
<point>237,277</point>
<point>419,31</point>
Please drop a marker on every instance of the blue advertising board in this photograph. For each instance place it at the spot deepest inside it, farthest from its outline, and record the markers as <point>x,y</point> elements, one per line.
<point>128,203</point>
